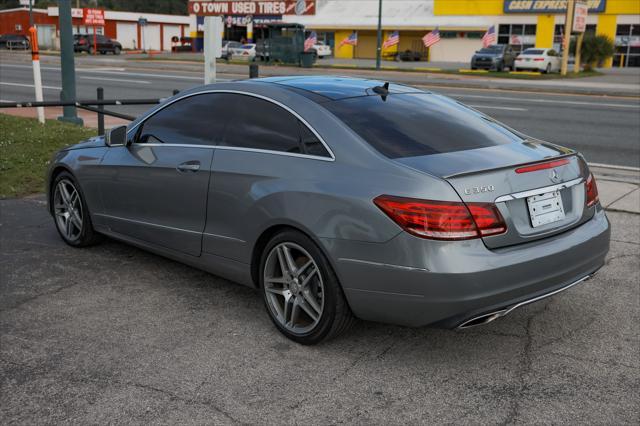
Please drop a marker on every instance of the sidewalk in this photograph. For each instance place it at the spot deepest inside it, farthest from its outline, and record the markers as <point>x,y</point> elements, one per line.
<point>619,188</point>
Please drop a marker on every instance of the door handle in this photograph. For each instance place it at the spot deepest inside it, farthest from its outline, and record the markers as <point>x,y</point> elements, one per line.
<point>189,166</point>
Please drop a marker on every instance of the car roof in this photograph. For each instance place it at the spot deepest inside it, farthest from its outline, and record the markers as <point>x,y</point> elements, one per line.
<point>319,88</point>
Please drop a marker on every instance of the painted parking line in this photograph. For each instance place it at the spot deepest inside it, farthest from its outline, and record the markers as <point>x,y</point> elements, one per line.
<point>497,107</point>
<point>122,80</point>
<point>544,101</point>
<point>5,83</point>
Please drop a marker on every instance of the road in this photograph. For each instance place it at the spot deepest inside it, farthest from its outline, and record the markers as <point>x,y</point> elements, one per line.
<point>112,334</point>
<point>605,129</point>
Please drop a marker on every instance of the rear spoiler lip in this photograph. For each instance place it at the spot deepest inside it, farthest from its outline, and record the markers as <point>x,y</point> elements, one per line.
<point>514,166</point>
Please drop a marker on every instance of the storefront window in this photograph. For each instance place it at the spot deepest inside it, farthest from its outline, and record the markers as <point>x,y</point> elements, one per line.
<point>627,46</point>
<point>519,36</point>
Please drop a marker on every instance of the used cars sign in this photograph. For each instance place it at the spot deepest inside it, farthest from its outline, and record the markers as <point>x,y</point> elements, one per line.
<point>265,7</point>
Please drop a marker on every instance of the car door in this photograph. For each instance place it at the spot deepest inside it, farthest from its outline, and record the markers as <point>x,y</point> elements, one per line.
<point>155,189</point>
<point>265,147</point>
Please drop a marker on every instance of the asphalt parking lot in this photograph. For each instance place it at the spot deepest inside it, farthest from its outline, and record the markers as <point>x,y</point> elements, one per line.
<point>112,334</point>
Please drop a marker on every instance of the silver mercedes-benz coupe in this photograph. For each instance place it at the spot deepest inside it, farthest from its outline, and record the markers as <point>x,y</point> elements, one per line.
<point>338,199</point>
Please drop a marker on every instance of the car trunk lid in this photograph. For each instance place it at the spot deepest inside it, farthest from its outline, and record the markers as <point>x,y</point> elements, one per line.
<point>535,202</point>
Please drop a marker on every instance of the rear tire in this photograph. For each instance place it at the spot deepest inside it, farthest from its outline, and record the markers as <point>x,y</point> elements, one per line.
<point>304,298</point>
<point>70,212</point>
<point>116,51</point>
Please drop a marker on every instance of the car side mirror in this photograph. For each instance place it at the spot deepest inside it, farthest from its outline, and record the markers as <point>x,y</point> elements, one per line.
<point>116,136</point>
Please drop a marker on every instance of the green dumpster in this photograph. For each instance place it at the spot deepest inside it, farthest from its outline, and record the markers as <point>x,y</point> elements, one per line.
<point>307,59</point>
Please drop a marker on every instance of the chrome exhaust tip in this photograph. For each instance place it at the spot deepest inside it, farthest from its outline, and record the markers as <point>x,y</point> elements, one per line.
<point>492,316</point>
<point>482,319</point>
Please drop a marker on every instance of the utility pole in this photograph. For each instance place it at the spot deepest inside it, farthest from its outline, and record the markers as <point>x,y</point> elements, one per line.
<point>30,13</point>
<point>568,26</point>
<point>67,64</point>
<point>379,45</point>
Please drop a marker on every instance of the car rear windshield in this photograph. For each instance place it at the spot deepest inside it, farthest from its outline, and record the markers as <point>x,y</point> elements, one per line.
<point>533,52</point>
<point>409,125</point>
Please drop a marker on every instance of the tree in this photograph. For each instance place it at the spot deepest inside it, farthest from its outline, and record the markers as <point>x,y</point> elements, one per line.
<point>596,49</point>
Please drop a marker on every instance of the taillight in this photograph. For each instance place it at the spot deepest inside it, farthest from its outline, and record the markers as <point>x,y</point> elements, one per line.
<point>592,191</point>
<point>539,59</point>
<point>442,220</point>
<point>542,166</point>
<point>519,58</point>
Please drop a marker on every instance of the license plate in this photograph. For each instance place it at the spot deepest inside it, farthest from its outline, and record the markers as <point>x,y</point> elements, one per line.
<point>527,59</point>
<point>545,208</point>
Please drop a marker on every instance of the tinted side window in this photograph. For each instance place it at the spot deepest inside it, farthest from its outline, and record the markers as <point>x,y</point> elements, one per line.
<point>408,125</point>
<point>260,124</point>
<point>310,143</point>
<point>196,120</point>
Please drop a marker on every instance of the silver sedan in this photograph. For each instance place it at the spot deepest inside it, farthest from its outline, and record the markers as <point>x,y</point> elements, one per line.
<point>339,199</point>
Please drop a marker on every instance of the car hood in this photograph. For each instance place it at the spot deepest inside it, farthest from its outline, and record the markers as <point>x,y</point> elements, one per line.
<point>488,54</point>
<point>490,158</point>
<point>94,142</point>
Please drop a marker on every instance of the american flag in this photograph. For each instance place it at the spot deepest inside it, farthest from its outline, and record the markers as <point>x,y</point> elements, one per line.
<point>432,38</point>
<point>310,41</point>
<point>515,40</point>
<point>489,37</point>
<point>352,40</point>
<point>392,40</point>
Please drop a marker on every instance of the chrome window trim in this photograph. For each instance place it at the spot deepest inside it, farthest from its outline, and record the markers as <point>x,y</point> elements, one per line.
<point>551,188</point>
<point>236,148</point>
<point>240,92</point>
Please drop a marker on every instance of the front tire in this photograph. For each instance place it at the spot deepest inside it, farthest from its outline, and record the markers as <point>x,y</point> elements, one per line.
<point>301,291</point>
<point>70,212</point>
<point>547,69</point>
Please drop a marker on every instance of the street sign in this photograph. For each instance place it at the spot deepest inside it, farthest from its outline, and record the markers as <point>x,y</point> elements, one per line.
<point>93,17</point>
<point>258,7</point>
<point>580,17</point>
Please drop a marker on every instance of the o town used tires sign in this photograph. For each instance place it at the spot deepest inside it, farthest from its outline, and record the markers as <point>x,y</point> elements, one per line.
<point>259,7</point>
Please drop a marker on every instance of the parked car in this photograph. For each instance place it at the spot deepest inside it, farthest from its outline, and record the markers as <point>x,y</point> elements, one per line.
<point>84,43</point>
<point>245,51</point>
<point>340,198</point>
<point>228,47</point>
<point>321,50</point>
<point>14,41</point>
<point>496,57</point>
<point>544,60</point>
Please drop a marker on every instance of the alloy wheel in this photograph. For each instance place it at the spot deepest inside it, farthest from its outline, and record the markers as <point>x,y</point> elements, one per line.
<point>68,212</point>
<point>294,288</point>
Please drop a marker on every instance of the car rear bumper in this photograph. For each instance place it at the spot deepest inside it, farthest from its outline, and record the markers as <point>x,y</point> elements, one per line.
<point>529,65</point>
<point>460,281</point>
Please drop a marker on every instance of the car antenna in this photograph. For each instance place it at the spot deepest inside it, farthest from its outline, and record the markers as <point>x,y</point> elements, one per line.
<point>383,90</point>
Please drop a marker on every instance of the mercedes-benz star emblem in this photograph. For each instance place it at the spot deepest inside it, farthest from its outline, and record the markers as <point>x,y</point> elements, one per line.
<point>553,175</point>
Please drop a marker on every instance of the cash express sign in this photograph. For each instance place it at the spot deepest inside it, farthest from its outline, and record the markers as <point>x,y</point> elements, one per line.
<point>549,6</point>
<point>257,7</point>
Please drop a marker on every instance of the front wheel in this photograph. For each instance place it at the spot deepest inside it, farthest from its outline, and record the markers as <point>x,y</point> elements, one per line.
<point>301,292</point>
<point>116,50</point>
<point>70,212</point>
<point>547,69</point>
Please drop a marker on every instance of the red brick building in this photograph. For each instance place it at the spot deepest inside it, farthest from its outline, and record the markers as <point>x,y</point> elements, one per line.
<point>121,26</point>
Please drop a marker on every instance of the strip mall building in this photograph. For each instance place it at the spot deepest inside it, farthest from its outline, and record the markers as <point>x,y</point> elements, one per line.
<point>522,23</point>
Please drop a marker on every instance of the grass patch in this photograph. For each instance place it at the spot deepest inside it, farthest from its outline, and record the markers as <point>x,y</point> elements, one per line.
<point>26,147</point>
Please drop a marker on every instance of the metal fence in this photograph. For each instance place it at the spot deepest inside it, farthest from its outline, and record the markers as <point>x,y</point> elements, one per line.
<point>95,105</point>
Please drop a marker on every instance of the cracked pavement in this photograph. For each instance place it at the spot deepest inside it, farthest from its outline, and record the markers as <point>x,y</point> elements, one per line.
<point>112,334</point>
